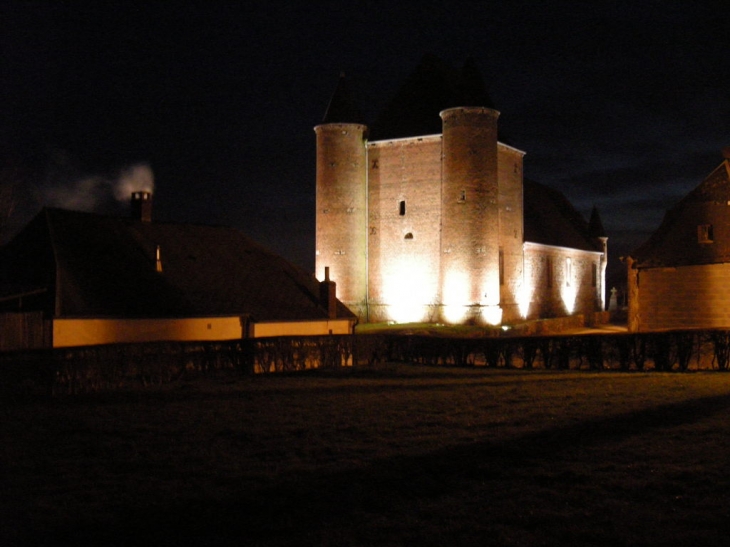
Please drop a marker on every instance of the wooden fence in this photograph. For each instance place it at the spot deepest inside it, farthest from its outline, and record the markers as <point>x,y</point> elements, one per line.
<point>125,366</point>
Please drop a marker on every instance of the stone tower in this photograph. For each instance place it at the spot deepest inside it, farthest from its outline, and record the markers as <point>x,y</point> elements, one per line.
<point>341,219</point>
<point>470,214</point>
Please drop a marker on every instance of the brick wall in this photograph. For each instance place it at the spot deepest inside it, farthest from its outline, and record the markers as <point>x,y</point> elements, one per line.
<point>341,221</point>
<point>509,162</point>
<point>470,207</point>
<point>404,180</point>
<point>409,221</point>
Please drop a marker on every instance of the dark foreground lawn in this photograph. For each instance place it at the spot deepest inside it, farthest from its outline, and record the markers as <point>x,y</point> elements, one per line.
<point>397,455</point>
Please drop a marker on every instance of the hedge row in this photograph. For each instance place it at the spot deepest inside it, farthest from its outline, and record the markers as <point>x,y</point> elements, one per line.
<point>121,366</point>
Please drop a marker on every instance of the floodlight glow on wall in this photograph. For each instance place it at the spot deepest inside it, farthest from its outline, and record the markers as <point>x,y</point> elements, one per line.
<point>455,296</point>
<point>568,290</point>
<point>492,315</point>
<point>406,288</point>
<point>524,297</point>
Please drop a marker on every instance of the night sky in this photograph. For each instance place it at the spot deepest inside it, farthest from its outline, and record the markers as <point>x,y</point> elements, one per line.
<point>625,105</point>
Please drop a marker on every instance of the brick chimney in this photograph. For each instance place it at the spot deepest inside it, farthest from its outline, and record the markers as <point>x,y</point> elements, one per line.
<point>142,206</point>
<point>328,294</point>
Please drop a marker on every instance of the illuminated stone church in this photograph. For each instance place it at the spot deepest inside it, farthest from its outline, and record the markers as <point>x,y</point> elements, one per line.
<point>425,217</point>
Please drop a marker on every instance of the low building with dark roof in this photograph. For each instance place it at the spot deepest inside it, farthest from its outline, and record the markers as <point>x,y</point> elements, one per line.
<point>678,278</point>
<point>84,279</point>
<point>424,216</point>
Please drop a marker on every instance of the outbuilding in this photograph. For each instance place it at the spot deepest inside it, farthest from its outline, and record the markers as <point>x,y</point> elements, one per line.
<point>74,278</point>
<point>679,278</point>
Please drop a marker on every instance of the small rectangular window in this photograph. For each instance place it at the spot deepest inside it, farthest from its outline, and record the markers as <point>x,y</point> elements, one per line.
<point>704,233</point>
<point>594,275</point>
<point>402,208</point>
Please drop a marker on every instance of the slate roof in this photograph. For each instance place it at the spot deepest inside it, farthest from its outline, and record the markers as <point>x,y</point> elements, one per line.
<point>106,267</point>
<point>675,242</point>
<point>550,219</point>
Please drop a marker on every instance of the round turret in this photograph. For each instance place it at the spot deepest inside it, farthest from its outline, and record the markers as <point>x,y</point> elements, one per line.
<point>341,218</point>
<point>470,213</point>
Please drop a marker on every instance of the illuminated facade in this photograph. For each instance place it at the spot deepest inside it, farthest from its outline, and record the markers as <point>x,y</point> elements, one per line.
<point>432,227</point>
<point>678,278</point>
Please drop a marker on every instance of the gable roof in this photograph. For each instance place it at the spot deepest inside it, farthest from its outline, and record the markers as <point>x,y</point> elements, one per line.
<point>106,267</point>
<point>550,219</point>
<point>675,242</point>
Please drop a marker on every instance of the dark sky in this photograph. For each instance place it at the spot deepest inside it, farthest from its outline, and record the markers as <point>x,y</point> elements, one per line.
<point>625,105</point>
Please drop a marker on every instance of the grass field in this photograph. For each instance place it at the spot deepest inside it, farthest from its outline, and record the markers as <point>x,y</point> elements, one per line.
<point>398,455</point>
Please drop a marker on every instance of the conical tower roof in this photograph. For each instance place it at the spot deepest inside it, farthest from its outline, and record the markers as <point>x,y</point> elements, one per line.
<point>471,90</point>
<point>595,225</point>
<point>342,107</point>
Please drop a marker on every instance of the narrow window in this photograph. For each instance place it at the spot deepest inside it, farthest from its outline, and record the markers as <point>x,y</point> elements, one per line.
<point>549,271</point>
<point>704,233</point>
<point>568,271</point>
<point>462,196</point>
<point>594,275</point>
<point>501,267</point>
<point>409,235</point>
<point>402,208</point>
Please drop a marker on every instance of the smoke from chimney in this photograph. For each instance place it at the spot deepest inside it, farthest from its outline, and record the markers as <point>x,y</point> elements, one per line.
<point>135,178</point>
<point>68,188</point>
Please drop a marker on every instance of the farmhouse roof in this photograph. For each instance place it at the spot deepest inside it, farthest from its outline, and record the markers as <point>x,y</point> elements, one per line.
<point>104,266</point>
<point>676,241</point>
